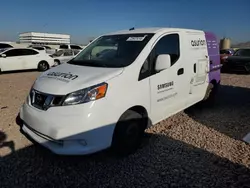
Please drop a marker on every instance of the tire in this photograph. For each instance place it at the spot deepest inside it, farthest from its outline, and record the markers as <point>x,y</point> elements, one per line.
<point>211,94</point>
<point>57,61</point>
<point>247,68</point>
<point>128,133</point>
<point>43,66</point>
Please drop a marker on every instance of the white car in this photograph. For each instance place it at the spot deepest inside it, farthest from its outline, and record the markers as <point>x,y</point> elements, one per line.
<point>13,59</point>
<point>39,48</point>
<point>63,56</point>
<point>69,46</point>
<point>45,49</point>
<point>119,85</point>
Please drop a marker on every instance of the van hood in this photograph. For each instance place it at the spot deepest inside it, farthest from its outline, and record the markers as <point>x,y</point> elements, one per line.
<point>67,78</point>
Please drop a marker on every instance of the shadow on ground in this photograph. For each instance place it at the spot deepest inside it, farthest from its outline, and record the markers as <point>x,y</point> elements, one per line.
<point>229,115</point>
<point>161,162</point>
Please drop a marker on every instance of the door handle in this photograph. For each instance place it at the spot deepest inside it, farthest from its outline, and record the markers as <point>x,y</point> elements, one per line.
<point>180,71</point>
<point>195,68</point>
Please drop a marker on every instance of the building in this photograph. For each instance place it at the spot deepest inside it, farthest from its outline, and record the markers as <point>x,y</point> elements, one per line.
<point>225,43</point>
<point>44,38</point>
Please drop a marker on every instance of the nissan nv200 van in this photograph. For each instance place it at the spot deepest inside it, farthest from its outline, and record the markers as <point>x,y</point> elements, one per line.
<point>119,85</point>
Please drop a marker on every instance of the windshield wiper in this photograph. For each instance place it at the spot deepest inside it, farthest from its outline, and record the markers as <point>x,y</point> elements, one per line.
<point>87,63</point>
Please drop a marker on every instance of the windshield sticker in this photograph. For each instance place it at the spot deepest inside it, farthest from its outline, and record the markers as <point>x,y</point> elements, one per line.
<point>136,38</point>
<point>65,77</point>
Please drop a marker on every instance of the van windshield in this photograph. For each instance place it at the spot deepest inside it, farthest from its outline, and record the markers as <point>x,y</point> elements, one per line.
<point>112,50</point>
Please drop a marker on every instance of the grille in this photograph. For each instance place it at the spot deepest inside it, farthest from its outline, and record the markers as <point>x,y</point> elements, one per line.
<point>43,101</point>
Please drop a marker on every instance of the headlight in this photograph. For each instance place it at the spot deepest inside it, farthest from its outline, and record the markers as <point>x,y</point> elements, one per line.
<point>86,95</point>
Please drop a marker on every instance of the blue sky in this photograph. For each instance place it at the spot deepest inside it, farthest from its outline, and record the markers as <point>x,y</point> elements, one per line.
<point>83,19</point>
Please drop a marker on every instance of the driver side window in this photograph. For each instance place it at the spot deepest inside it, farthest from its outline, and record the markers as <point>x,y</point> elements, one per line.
<point>169,44</point>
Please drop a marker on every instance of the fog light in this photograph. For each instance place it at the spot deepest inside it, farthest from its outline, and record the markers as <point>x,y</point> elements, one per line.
<point>83,142</point>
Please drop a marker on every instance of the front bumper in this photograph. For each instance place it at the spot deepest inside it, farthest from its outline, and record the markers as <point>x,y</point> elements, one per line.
<point>71,130</point>
<point>62,147</point>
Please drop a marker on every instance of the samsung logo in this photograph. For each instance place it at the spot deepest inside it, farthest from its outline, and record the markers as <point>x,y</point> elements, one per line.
<point>63,75</point>
<point>198,42</point>
<point>166,85</point>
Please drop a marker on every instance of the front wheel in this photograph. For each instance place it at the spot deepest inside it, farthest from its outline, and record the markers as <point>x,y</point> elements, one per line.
<point>128,133</point>
<point>43,66</point>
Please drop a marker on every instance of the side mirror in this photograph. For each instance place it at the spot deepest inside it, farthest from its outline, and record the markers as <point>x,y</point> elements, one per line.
<point>162,62</point>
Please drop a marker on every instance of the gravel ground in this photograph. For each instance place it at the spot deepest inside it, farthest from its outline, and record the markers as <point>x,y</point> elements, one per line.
<point>194,148</point>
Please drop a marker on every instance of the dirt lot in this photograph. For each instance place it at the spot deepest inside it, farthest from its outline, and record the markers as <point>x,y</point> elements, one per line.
<point>195,148</point>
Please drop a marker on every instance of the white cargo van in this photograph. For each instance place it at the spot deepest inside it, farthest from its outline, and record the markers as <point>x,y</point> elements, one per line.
<point>119,85</point>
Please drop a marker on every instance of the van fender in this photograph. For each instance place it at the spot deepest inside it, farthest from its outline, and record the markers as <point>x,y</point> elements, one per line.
<point>142,111</point>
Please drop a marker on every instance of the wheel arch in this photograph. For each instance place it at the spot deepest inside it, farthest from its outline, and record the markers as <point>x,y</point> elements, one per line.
<point>42,62</point>
<point>141,110</point>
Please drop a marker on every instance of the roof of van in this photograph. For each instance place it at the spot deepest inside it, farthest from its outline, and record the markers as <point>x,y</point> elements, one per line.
<point>152,30</point>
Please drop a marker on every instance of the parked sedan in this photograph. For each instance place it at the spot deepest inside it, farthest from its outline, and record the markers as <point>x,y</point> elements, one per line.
<point>45,49</point>
<point>239,61</point>
<point>23,59</point>
<point>63,56</point>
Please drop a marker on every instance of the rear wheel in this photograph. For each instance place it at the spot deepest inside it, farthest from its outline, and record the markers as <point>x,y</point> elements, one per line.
<point>57,62</point>
<point>43,66</point>
<point>211,93</point>
<point>128,133</point>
